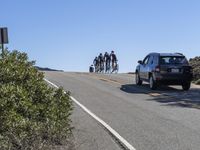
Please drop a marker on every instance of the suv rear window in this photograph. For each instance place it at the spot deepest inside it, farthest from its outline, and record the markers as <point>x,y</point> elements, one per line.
<point>165,60</point>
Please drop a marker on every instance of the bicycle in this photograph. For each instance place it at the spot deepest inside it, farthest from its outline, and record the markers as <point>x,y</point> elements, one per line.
<point>115,68</point>
<point>108,67</point>
<point>101,68</point>
<point>96,68</point>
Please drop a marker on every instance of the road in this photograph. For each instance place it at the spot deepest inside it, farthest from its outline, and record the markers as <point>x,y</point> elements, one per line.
<point>166,119</point>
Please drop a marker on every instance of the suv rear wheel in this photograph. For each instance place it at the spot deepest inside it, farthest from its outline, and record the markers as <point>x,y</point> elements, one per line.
<point>152,83</point>
<point>137,79</point>
<point>186,85</point>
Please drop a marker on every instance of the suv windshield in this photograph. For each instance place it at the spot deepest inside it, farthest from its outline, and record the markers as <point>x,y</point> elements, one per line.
<point>165,60</point>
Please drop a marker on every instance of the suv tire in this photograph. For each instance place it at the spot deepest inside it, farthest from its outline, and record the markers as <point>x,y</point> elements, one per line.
<point>152,83</point>
<point>138,81</point>
<point>186,86</point>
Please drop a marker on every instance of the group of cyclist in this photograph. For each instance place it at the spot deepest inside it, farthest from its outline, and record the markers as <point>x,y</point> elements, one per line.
<point>106,63</point>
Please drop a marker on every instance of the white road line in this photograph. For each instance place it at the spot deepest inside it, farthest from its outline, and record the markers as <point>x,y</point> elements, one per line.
<point>111,130</point>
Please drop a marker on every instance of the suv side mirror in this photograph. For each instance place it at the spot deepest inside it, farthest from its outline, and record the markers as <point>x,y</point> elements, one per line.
<point>139,62</point>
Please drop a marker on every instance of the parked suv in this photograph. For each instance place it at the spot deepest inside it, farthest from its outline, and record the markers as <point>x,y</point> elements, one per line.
<point>164,68</point>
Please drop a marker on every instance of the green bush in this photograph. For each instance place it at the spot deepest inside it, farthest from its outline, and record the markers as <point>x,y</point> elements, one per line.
<point>197,82</point>
<point>195,63</point>
<point>32,114</point>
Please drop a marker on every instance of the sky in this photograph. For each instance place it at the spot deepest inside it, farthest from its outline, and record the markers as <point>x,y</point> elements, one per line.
<point>68,34</point>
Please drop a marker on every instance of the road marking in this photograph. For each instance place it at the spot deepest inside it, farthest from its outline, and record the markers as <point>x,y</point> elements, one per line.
<point>107,80</point>
<point>114,133</point>
<point>154,94</point>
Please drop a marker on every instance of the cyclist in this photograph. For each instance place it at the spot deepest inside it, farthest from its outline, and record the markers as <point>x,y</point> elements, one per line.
<point>96,63</point>
<point>107,61</point>
<point>101,62</point>
<point>113,60</point>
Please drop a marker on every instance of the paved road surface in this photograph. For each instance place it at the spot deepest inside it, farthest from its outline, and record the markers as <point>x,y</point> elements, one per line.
<point>166,119</point>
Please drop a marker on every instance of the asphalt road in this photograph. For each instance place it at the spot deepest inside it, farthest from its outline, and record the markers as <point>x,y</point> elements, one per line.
<point>166,119</point>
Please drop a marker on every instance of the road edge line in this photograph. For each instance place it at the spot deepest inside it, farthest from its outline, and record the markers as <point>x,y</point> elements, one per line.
<point>124,142</point>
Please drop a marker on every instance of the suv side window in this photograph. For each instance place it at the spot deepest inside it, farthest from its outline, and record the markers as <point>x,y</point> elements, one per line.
<point>146,60</point>
<point>151,60</point>
<point>156,60</point>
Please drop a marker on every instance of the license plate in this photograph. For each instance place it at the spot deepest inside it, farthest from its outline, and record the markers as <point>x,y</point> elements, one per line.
<point>175,70</point>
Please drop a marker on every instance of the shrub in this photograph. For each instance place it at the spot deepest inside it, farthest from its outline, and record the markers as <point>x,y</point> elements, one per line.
<point>195,63</point>
<point>33,115</point>
<point>197,82</point>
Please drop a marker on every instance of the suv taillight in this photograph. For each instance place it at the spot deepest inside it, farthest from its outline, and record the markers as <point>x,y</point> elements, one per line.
<point>157,69</point>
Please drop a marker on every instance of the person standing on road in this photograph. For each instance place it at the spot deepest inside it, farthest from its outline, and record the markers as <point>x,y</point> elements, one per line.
<point>91,69</point>
<point>113,59</point>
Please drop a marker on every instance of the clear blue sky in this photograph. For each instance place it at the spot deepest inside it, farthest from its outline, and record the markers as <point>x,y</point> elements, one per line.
<point>68,34</point>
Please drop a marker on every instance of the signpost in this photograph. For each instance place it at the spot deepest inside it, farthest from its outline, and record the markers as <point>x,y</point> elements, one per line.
<point>3,38</point>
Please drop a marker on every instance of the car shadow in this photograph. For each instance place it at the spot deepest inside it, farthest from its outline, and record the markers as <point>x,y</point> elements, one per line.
<point>133,88</point>
<point>167,95</point>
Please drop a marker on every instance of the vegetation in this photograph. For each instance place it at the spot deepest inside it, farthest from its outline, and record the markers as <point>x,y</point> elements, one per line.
<point>32,114</point>
<point>195,63</point>
<point>197,82</point>
<point>47,69</point>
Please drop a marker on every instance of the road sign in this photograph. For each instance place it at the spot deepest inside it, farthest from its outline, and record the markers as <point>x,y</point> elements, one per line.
<point>3,35</point>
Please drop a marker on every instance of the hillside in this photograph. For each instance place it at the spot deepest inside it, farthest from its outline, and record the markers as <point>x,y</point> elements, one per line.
<point>46,69</point>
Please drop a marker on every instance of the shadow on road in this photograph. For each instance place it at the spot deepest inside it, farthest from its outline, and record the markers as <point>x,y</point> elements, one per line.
<point>168,96</point>
<point>133,88</point>
<point>178,101</point>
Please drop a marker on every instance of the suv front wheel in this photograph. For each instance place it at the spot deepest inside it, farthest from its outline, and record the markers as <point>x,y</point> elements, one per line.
<point>138,81</point>
<point>152,83</point>
<point>186,85</point>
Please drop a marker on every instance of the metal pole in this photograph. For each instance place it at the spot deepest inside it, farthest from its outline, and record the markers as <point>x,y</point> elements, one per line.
<point>2,47</point>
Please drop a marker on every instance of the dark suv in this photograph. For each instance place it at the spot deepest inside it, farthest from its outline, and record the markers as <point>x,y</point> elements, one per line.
<point>164,68</point>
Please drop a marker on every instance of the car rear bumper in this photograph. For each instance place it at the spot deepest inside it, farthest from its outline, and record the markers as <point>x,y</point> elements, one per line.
<point>173,79</point>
